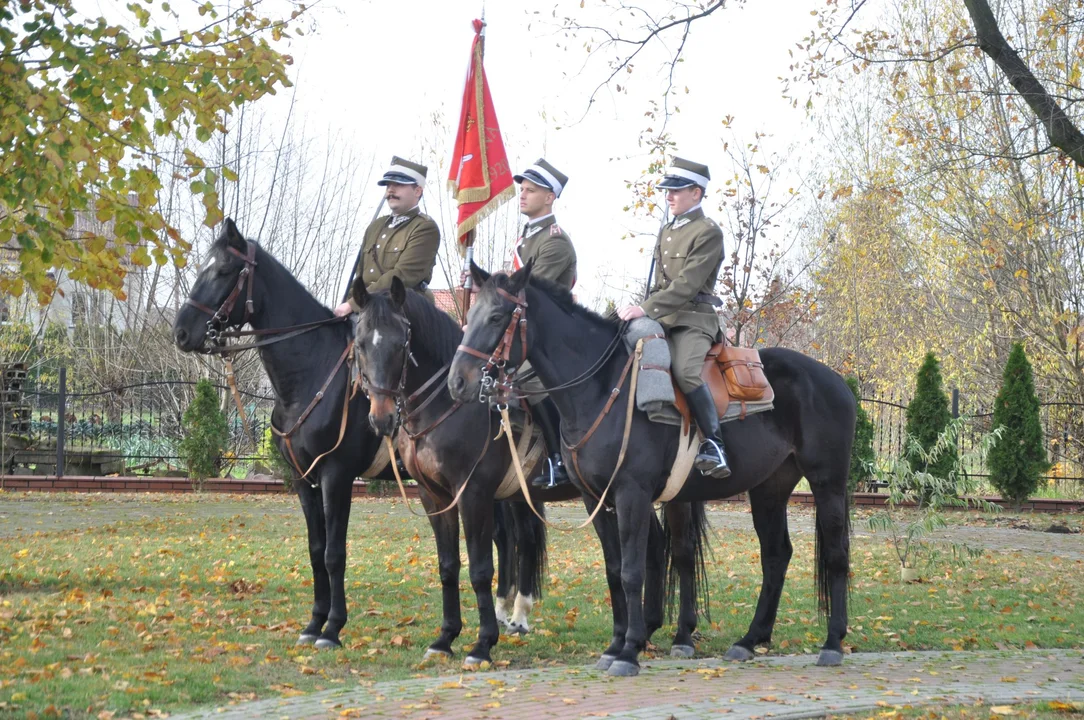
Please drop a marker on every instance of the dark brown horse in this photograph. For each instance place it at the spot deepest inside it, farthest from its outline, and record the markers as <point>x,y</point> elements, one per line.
<point>808,434</point>
<point>405,346</point>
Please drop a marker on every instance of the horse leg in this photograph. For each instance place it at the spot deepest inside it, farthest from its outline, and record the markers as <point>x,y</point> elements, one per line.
<point>768,502</point>
<point>634,512</point>
<point>686,530</point>
<point>605,523</point>
<point>503,538</point>
<point>655,579</point>
<point>833,552</point>
<point>478,528</point>
<point>337,485</point>
<point>530,536</point>
<point>313,508</point>
<point>446,532</point>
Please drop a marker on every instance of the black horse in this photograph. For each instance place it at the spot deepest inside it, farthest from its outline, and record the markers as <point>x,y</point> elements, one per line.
<point>809,433</point>
<point>404,346</point>
<point>298,366</point>
<point>303,350</point>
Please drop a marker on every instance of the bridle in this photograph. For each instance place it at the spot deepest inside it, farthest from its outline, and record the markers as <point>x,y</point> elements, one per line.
<point>220,317</point>
<point>498,384</point>
<point>397,392</point>
<point>219,327</point>
<point>498,380</point>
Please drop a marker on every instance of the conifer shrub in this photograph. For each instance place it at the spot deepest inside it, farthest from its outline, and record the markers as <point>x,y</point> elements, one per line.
<point>1019,461</point>
<point>205,434</point>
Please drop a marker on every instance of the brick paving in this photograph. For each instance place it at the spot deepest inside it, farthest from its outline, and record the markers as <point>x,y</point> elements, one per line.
<point>776,687</point>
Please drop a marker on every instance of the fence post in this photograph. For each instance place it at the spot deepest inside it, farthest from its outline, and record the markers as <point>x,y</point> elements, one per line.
<point>62,410</point>
<point>955,403</point>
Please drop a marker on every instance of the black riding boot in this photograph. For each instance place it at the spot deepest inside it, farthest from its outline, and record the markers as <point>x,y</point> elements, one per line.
<point>711,460</point>
<point>549,420</point>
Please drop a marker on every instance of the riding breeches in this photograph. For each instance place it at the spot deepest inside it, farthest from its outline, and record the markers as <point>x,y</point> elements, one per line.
<point>688,348</point>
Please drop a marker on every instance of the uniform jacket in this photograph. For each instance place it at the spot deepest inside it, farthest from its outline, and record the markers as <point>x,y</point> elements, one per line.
<point>551,249</point>
<point>408,251</point>
<point>688,255</point>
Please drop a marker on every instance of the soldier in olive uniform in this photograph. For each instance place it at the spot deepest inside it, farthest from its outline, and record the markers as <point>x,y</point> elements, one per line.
<point>403,244</point>
<point>688,254</point>
<point>544,242</point>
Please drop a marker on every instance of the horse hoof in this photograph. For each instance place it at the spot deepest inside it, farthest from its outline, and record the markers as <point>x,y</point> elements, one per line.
<point>517,629</point>
<point>684,651</point>
<point>738,654</point>
<point>620,668</point>
<point>830,658</point>
<point>325,644</point>
<point>431,654</point>
<point>307,640</point>
<point>605,662</point>
<point>472,662</point>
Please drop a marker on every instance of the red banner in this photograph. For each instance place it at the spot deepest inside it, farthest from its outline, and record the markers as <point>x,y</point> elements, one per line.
<point>479,177</point>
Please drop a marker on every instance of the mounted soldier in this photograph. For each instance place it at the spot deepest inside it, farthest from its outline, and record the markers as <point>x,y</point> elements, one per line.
<point>403,244</point>
<point>688,254</point>
<point>549,246</point>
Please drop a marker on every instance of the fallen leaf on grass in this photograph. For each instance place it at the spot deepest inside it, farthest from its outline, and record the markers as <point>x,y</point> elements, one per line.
<point>1002,710</point>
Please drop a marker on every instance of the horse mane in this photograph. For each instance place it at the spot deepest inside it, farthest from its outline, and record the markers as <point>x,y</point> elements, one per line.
<point>284,280</point>
<point>562,297</point>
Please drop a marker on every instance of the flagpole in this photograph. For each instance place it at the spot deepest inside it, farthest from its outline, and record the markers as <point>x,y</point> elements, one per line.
<point>468,240</point>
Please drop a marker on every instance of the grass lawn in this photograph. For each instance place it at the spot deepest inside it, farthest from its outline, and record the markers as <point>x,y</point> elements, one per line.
<point>198,600</point>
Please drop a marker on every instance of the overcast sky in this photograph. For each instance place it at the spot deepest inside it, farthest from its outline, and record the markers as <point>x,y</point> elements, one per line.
<point>379,70</point>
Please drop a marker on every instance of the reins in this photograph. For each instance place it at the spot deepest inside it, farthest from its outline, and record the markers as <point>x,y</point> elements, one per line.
<point>504,384</point>
<point>218,336</point>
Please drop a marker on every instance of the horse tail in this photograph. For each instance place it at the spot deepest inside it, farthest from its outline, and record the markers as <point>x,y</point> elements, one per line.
<point>538,540</point>
<point>504,537</point>
<point>529,537</point>
<point>821,579</point>
<point>687,538</point>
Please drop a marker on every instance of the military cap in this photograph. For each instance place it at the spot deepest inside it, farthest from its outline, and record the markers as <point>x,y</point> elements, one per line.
<point>544,174</point>
<point>404,172</point>
<point>685,173</point>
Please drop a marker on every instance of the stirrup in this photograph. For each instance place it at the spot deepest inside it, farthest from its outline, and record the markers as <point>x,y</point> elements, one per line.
<point>548,480</point>
<point>712,463</point>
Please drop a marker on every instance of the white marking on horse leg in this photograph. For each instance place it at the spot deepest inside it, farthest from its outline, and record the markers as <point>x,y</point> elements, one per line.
<point>376,338</point>
<point>501,610</point>
<point>521,612</point>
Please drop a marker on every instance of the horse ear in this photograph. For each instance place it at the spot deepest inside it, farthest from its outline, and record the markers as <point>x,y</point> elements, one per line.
<point>398,292</point>
<point>518,280</point>
<point>359,293</point>
<point>478,275</point>
<point>233,236</point>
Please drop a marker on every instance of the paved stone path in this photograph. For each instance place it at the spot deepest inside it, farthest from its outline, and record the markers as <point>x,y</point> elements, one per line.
<point>777,687</point>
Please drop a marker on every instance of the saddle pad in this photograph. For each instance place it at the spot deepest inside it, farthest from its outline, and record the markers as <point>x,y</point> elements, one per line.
<point>688,444</point>
<point>380,461</point>
<point>530,449</point>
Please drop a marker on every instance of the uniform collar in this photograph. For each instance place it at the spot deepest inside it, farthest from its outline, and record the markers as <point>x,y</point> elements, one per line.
<point>408,214</point>
<point>692,214</point>
<point>534,227</point>
<point>541,220</point>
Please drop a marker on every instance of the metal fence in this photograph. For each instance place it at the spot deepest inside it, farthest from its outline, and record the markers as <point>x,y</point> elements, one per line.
<point>1062,420</point>
<point>134,427</point>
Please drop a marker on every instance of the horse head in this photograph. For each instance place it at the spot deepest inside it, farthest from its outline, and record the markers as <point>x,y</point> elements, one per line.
<point>496,330</point>
<point>382,351</point>
<point>221,297</point>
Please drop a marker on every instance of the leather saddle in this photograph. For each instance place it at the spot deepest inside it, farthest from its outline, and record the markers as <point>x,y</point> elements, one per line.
<point>733,374</point>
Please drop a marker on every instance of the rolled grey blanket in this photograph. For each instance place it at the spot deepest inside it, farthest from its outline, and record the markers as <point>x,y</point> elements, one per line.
<point>654,390</point>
